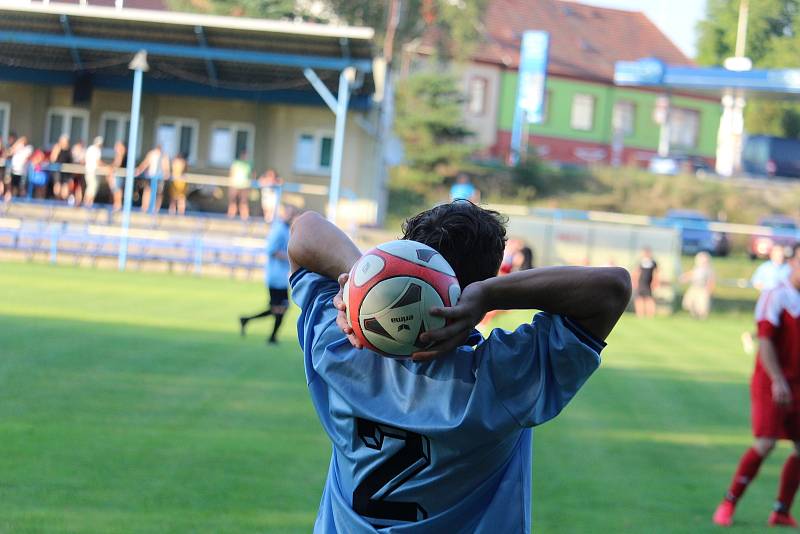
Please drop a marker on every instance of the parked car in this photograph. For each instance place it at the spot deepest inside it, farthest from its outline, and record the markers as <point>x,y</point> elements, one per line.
<point>783,234</point>
<point>673,165</point>
<point>696,236</point>
<point>765,156</point>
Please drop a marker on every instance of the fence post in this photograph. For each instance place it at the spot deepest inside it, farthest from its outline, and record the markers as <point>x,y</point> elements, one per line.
<point>198,255</point>
<point>53,244</point>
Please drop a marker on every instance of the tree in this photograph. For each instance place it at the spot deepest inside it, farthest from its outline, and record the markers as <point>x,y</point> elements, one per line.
<point>772,42</point>
<point>429,121</point>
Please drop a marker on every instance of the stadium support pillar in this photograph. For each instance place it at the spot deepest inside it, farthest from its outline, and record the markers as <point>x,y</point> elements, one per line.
<point>338,105</point>
<point>343,99</point>
<point>138,65</point>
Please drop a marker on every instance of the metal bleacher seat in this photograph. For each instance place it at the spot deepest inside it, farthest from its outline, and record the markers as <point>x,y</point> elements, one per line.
<point>42,230</point>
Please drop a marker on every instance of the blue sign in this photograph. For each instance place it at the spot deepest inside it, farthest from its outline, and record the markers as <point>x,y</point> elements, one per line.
<point>649,71</point>
<point>533,74</point>
<point>529,107</point>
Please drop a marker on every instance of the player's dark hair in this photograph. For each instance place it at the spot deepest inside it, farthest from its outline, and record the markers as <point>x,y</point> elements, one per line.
<point>470,238</point>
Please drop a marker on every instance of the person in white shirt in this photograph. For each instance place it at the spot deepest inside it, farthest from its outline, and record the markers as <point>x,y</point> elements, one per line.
<point>93,163</point>
<point>20,154</point>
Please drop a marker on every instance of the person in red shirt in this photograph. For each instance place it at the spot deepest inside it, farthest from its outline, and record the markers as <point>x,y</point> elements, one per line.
<point>775,397</point>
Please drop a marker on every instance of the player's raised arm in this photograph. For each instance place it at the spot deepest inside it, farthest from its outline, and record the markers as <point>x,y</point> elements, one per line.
<point>318,245</point>
<point>593,297</point>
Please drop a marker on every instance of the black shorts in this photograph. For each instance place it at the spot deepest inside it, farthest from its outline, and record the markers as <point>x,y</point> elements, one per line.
<point>16,180</point>
<point>278,297</point>
<point>644,291</point>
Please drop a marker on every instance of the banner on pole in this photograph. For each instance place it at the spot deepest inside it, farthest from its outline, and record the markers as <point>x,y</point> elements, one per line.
<point>529,106</point>
<point>533,74</point>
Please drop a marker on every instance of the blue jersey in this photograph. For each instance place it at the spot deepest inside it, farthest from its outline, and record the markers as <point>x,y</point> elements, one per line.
<point>769,275</point>
<point>277,272</point>
<point>440,446</point>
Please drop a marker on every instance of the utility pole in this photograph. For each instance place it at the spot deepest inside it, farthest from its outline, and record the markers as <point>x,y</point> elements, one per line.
<point>730,139</point>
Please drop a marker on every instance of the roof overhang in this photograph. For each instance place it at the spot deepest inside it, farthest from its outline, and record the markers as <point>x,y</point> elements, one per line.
<point>222,53</point>
<point>772,83</point>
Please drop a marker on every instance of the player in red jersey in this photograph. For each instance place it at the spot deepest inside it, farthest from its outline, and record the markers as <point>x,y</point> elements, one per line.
<point>775,397</point>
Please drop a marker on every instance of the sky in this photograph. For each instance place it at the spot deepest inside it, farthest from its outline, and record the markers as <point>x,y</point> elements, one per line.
<point>676,18</point>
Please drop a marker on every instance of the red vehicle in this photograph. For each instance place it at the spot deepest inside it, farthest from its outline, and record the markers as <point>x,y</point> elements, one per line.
<point>784,233</point>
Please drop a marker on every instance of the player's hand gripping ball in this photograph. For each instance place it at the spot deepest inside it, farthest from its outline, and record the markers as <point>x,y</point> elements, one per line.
<point>390,292</point>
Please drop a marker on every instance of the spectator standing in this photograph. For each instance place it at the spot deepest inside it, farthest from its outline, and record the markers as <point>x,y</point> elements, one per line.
<point>37,175</point>
<point>241,172</point>
<point>155,166</point>
<point>523,259</point>
<point>463,189</point>
<point>78,185</point>
<point>277,272</point>
<point>94,162</point>
<point>645,278</point>
<point>769,275</point>
<point>61,155</point>
<point>178,185</point>
<point>772,272</point>
<point>271,185</point>
<point>697,300</point>
<point>4,147</point>
<point>116,184</point>
<point>21,152</point>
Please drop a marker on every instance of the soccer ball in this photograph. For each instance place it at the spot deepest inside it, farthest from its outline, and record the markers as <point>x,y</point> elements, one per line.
<point>390,292</point>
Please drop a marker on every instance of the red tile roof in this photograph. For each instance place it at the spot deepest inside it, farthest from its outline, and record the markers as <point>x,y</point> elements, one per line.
<point>585,41</point>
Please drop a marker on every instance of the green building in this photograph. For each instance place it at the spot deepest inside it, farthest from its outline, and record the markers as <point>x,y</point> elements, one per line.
<point>587,119</point>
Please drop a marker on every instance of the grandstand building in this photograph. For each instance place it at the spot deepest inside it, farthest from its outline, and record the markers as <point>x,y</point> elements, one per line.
<point>583,107</point>
<point>215,86</point>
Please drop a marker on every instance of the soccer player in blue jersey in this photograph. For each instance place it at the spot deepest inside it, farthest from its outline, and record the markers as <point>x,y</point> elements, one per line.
<point>276,272</point>
<point>441,442</point>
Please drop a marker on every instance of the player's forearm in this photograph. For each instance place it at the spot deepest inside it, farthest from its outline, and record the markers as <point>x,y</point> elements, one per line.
<point>319,246</point>
<point>769,358</point>
<point>593,297</point>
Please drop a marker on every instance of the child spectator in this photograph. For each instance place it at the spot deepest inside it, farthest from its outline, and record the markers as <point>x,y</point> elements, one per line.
<point>178,185</point>
<point>697,300</point>
<point>271,185</point>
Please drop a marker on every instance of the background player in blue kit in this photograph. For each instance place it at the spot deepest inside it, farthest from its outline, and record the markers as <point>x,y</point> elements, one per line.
<point>442,443</point>
<point>276,272</point>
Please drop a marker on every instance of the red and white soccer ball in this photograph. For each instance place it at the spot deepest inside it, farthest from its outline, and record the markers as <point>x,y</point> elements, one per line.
<point>390,292</point>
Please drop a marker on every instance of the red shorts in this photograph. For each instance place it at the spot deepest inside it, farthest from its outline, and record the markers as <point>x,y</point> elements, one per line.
<point>771,420</point>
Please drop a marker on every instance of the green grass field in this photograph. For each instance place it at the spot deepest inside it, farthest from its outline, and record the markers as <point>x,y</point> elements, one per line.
<point>128,403</point>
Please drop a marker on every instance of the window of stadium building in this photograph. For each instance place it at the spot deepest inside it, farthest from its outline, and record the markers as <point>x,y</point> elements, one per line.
<point>116,126</point>
<point>228,140</point>
<point>5,113</point>
<point>178,136</point>
<point>624,117</point>
<point>71,121</point>
<point>684,126</point>
<point>582,112</point>
<point>314,153</point>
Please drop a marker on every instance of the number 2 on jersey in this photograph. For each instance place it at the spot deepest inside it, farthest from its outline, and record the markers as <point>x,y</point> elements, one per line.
<point>369,497</point>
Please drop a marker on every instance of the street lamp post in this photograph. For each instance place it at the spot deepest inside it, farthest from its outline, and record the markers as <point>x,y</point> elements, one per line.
<point>138,65</point>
